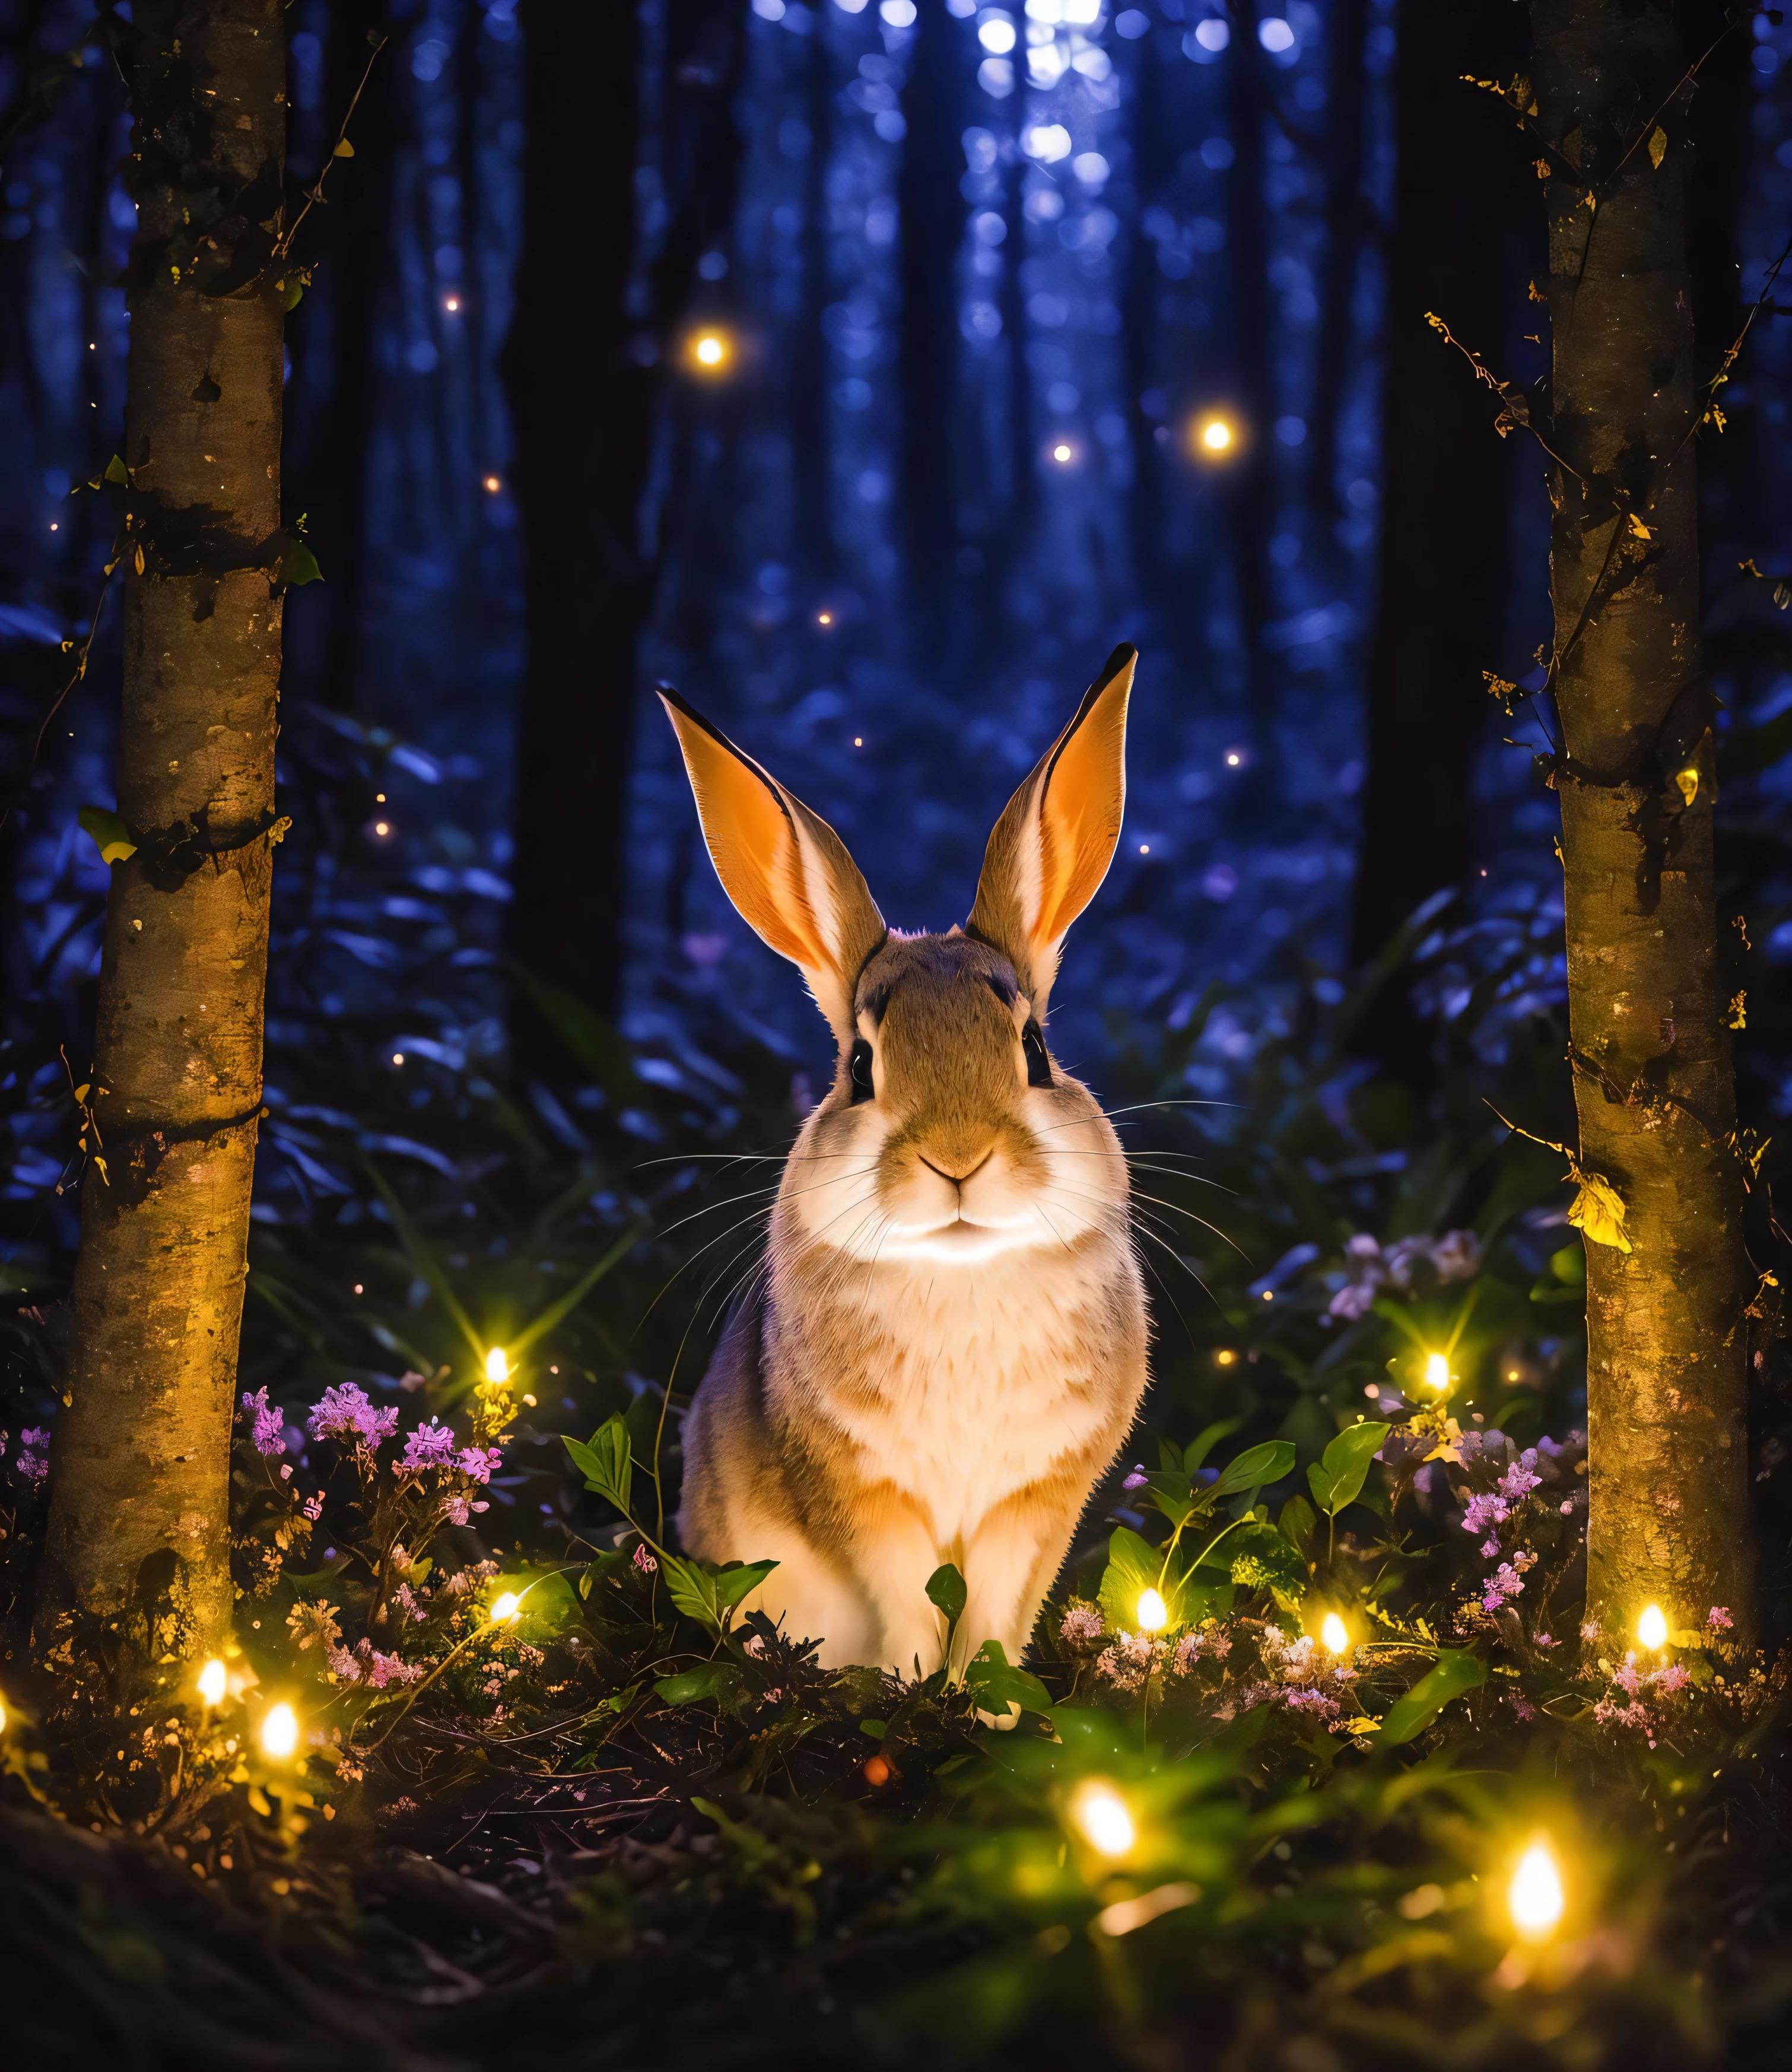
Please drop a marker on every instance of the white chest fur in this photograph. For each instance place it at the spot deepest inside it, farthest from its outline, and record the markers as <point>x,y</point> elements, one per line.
<point>970,1382</point>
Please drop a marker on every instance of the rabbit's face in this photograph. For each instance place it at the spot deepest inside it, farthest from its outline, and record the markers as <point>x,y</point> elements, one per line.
<point>949,1135</point>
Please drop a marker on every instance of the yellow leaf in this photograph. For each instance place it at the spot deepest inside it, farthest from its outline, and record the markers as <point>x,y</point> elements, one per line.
<point>1598,1211</point>
<point>1638,528</point>
<point>1739,1011</point>
<point>1542,169</point>
<point>80,1093</point>
<point>1688,782</point>
<point>345,149</point>
<point>1657,145</point>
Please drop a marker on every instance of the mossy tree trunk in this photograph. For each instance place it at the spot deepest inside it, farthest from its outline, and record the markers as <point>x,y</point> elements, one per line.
<point>1667,1351</point>
<point>138,1547</point>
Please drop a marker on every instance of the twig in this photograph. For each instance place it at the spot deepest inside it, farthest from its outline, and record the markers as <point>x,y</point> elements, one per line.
<point>314,193</point>
<point>82,656</point>
<point>1502,389</point>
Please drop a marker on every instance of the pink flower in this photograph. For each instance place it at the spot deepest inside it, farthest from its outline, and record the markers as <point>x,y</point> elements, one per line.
<point>454,1509</point>
<point>269,1423</point>
<point>1136,1480</point>
<point>1671,1678</point>
<point>1082,1624</point>
<point>430,1445</point>
<point>1719,1618</point>
<point>477,1462</point>
<point>314,1507</point>
<point>645,1562</point>
<point>33,1462</point>
<point>344,1413</point>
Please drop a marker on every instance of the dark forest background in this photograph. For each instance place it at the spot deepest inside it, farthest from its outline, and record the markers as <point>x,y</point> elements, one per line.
<point>979,274</point>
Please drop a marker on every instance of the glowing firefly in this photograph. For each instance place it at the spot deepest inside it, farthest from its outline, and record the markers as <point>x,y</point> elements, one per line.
<point>1652,1628</point>
<point>497,1365</point>
<point>1103,1820</point>
<point>1334,1636</point>
<point>1437,1372</point>
<point>1154,1614</point>
<point>280,1733</point>
<point>1534,1899</point>
<point>211,1682</point>
<point>504,1608</point>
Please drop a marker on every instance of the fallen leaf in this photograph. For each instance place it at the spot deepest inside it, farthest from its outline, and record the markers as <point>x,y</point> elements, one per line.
<point>1598,1211</point>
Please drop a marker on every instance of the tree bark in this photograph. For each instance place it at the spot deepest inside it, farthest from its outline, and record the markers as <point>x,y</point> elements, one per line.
<point>1446,481</point>
<point>139,1524</point>
<point>1666,1351</point>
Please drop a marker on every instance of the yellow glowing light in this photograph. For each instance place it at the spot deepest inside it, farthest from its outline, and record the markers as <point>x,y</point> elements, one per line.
<point>211,1682</point>
<point>1437,1372</point>
<point>1154,1614</point>
<point>1101,1818</point>
<point>497,1364</point>
<point>451,304</point>
<point>824,619</point>
<point>1061,452</point>
<point>1216,436</point>
<point>505,1608</point>
<point>382,827</point>
<point>1226,1356</point>
<point>2,1719</point>
<point>710,351</point>
<point>1652,1627</point>
<point>279,1732</point>
<point>1534,1899</point>
<point>1334,1636</point>
<point>1233,759</point>
<point>492,485</point>
<point>398,1057</point>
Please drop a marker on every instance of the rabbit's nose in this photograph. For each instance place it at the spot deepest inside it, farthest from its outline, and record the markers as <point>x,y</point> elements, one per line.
<point>969,1167</point>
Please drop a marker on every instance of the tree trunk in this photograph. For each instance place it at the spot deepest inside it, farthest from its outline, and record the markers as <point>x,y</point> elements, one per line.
<point>139,1524</point>
<point>1446,480</point>
<point>932,211</point>
<point>584,378</point>
<point>1666,1350</point>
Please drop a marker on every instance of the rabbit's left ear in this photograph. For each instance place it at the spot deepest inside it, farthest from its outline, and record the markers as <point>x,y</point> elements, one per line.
<point>785,869</point>
<point>1052,846</point>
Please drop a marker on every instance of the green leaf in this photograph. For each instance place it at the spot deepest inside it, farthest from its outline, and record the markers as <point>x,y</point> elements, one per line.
<point>1338,1478</point>
<point>946,1590</point>
<point>111,837</point>
<point>1204,1442</point>
<point>1297,1523</point>
<point>606,1462</point>
<point>1256,1467</point>
<point>117,471</point>
<point>1457,1670</point>
<point>716,1681</point>
<point>1132,1566</point>
<point>692,1589</point>
<point>290,290</point>
<point>736,1579</point>
<point>1259,1557</point>
<point>1173,1495</point>
<point>298,565</point>
<point>563,1305</point>
<point>996,1683</point>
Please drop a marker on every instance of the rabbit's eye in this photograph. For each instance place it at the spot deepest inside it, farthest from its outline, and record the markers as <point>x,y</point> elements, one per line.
<point>858,1071</point>
<point>1038,1065</point>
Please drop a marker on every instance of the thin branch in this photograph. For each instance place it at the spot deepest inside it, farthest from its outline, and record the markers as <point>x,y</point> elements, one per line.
<point>314,193</point>
<point>83,655</point>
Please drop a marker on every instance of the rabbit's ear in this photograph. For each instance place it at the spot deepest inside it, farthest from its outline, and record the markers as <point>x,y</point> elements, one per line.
<point>1052,846</point>
<point>785,869</point>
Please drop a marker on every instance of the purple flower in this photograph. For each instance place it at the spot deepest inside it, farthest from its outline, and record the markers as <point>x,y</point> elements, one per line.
<point>268,1425</point>
<point>34,1457</point>
<point>314,1507</point>
<point>430,1445</point>
<point>477,1462</point>
<point>454,1509</point>
<point>645,1562</point>
<point>1718,1618</point>
<point>1484,1512</point>
<point>1489,1549</point>
<point>344,1413</point>
<point>1136,1480</point>
<point>1520,1479</point>
<point>1315,1702</point>
<point>1505,1582</point>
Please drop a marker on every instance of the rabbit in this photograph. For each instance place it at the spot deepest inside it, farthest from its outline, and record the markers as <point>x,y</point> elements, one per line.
<point>949,1344</point>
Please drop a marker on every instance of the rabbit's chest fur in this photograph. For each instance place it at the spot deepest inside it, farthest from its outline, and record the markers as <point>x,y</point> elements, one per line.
<point>961,1387</point>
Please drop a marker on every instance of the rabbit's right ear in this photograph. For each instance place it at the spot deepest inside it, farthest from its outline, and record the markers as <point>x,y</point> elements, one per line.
<point>787,871</point>
<point>1052,846</point>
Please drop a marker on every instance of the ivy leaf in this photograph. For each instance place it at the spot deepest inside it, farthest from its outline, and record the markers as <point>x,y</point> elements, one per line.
<point>298,565</point>
<point>1336,1478</point>
<point>1457,1670</point>
<point>110,837</point>
<point>1256,1467</point>
<point>996,1683</point>
<point>946,1590</point>
<point>1598,1211</point>
<point>717,1681</point>
<point>736,1579</point>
